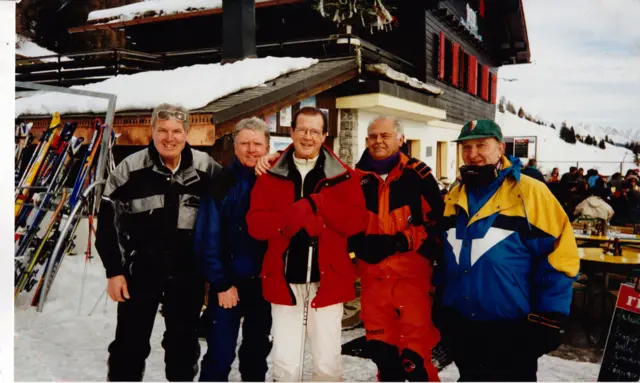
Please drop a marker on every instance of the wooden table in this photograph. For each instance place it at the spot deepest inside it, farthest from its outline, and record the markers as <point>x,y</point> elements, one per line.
<point>629,256</point>
<point>622,238</point>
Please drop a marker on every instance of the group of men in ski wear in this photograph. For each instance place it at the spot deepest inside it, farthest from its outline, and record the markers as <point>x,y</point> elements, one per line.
<point>487,271</point>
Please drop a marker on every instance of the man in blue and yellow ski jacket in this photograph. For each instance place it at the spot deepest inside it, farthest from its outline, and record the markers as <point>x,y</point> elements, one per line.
<point>504,285</point>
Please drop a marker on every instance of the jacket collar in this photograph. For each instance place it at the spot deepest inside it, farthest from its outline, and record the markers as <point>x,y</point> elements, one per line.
<point>244,172</point>
<point>186,173</point>
<point>508,194</point>
<point>333,167</point>
<point>393,174</point>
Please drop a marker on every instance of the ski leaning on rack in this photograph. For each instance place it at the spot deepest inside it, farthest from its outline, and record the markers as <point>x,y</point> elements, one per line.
<point>36,161</point>
<point>32,250</point>
<point>84,176</point>
<point>24,279</point>
<point>25,232</point>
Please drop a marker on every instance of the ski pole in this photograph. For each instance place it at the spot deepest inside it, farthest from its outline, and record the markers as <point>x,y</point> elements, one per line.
<point>305,310</point>
<point>98,301</point>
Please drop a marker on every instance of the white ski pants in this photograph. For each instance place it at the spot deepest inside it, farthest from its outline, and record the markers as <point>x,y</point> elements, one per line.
<point>324,332</point>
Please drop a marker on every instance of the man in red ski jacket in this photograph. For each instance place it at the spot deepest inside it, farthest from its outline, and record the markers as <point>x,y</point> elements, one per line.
<point>308,203</point>
<point>395,256</point>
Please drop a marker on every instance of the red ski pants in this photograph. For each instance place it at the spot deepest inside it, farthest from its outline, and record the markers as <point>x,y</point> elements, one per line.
<point>397,311</point>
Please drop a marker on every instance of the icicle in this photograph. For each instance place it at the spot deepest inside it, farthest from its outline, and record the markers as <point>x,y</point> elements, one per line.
<point>336,17</point>
<point>362,18</point>
<point>350,10</point>
<point>321,8</point>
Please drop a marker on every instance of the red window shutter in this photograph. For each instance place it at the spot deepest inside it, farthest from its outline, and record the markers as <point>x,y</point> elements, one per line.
<point>494,88</point>
<point>455,76</point>
<point>481,8</point>
<point>472,83</point>
<point>485,83</point>
<point>441,57</point>
<point>461,68</point>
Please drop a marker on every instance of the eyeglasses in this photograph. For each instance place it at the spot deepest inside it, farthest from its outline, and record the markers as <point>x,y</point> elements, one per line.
<point>166,114</point>
<point>313,132</point>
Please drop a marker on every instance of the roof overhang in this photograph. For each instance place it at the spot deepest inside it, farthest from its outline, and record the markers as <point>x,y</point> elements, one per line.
<point>446,125</point>
<point>514,47</point>
<point>156,19</point>
<point>392,106</point>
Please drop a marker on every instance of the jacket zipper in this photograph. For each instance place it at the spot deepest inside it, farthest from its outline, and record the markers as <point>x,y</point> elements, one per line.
<point>286,260</point>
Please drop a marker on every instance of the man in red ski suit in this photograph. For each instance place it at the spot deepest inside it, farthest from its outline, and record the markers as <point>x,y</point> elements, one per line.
<point>306,207</point>
<point>395,256</point>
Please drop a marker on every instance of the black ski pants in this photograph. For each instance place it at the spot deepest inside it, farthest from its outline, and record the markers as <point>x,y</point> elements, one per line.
<point>500,351</point>
<point>182,296</point>
<point>224,326</point>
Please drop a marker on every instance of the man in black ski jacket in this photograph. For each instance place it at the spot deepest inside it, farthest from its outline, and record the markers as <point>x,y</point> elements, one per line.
<point>145,240</point>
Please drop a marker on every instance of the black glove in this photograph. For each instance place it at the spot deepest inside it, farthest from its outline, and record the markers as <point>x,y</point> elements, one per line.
<point>374,248</point>
<point>547,331</point>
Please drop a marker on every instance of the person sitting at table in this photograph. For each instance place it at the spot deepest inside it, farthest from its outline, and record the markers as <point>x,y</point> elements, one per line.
<point>626,205</point>
<point>594,207</point>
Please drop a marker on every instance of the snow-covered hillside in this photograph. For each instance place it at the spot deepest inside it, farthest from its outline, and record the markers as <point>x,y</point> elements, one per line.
<point>619,136</point>
<point>554,152</point>
<point>61,345</point>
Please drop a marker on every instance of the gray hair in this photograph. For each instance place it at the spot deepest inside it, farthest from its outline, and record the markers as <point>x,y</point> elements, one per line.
<point>170,108</point>
<point>253,123</point>
<point>397,126</point>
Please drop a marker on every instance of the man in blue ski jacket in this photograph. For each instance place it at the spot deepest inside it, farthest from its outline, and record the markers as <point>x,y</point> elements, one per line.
<point>231,262</point>
<point>504,285</point>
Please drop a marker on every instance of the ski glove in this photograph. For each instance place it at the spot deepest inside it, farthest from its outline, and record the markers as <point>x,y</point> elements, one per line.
<point>295,216</point>
<point>547,330</point>
<point>374,248</point>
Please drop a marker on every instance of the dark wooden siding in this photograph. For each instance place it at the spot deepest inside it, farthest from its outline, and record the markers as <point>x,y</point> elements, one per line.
<point>461,106</point>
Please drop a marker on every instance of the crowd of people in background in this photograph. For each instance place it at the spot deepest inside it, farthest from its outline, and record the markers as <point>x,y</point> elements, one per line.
<point>614,198</point>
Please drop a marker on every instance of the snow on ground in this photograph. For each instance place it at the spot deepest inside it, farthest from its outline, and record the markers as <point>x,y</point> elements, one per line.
<point>193,87</point>
<point>158,7</point>
<point>28,48</point>
<point>555,152</point>
<point>60,345</point>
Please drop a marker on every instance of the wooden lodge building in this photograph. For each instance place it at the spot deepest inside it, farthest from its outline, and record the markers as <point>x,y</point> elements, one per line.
<point>434,70</point>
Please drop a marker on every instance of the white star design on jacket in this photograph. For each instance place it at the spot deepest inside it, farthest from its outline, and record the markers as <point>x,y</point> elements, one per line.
<point>479,246</point>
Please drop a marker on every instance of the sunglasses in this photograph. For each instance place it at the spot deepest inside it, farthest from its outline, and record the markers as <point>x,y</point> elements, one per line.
<point>166,114</point>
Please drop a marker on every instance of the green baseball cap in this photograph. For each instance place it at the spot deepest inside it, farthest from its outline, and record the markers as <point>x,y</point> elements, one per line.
<point>480,129</point>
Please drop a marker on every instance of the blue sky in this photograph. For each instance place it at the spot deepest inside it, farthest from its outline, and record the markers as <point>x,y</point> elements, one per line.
<point>585,63</point>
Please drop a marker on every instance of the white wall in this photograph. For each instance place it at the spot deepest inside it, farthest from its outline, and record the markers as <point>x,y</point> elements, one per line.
<point>417,130</point>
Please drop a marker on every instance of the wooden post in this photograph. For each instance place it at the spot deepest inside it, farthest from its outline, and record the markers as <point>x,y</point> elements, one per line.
<point>238,30</point>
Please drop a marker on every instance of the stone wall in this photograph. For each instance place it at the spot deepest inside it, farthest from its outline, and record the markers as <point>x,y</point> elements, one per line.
<point>347,136</point>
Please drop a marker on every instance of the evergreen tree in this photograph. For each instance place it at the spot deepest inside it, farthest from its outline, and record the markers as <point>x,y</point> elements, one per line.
<point>501,104</point>
<point>553,126</point>
<point>572,136</point>
<point>510,108</point>
<point>588,140</point>
<point>602,145</point>
<point>521,113</point>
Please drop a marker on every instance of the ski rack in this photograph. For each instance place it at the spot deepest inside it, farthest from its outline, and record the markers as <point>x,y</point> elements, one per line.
<point>62,239</point>
<point>111,110</point>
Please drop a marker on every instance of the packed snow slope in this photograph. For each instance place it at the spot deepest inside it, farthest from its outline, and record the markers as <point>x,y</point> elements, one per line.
<point>154,8</point>
<point>61,345</point>
<point>192,86</point>
<point>555,152</point>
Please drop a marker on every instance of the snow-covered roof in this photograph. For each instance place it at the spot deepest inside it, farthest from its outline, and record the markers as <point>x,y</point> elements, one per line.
<point>393,74</point>
<point>27,48</point>
<point>193,87</point>
<point>153,8</point>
